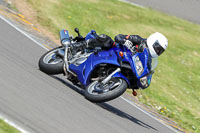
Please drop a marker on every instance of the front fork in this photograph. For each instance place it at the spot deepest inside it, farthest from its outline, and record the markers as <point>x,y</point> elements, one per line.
<point>66,63</point>
<point>110,76</point>
<point>117,73</point>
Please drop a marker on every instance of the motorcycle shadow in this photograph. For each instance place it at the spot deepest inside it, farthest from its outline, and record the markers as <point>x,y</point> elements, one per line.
<point>106,106</point>
<point>124,115</point>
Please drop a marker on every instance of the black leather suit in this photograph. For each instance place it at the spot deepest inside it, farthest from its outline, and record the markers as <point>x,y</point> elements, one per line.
<point>135,39</point>
<point>105,42</point>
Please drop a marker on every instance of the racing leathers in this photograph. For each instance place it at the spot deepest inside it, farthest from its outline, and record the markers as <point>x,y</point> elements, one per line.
<point>132,42</point>
<point>103,41</point>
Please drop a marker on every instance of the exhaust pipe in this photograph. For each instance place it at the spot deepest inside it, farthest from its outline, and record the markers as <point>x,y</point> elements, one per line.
<point>64,37</point>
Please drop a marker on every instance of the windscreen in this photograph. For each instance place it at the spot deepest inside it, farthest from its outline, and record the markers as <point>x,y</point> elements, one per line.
<point>154,63</point>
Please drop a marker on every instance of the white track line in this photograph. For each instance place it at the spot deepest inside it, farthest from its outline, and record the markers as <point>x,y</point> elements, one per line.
<point>147,113</point>
<point>13,124</point>
<point>132,3</point>
<point>24,33</point>
<point>130,102</point>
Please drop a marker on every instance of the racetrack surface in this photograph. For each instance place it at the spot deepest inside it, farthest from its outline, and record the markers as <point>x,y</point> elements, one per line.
<point>186,9</point>
<point>48,104</point>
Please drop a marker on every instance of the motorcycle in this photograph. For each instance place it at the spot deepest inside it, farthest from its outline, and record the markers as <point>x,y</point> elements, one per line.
<point>104,74</point>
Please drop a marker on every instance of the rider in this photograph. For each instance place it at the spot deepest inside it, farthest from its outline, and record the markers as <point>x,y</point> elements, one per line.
<point>156,43</point>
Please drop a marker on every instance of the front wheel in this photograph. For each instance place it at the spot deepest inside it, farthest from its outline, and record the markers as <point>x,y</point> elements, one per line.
<point>51,63</point>
<point>98,92</point>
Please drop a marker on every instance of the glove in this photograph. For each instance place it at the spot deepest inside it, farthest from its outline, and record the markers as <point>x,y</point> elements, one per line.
<point>129,45</point>
<point>142,46</point>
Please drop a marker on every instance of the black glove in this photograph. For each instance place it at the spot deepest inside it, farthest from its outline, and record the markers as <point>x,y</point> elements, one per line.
<point>142,46</point>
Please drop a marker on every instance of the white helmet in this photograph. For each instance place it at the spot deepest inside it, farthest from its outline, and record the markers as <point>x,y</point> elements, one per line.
<point>157,44</point>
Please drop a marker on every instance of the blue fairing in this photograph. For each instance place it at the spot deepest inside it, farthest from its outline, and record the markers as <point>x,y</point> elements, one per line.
<point>144,59</point>
<point>146,62</point>
<point>120,75</point>
<point>84,70</point>
<point>91,35</point>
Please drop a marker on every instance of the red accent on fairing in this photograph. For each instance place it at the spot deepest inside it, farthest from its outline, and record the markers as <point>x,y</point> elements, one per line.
<point>137,48</point>
<point>114,44</point>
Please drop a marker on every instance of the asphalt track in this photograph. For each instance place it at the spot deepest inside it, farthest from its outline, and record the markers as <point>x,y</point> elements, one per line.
<point>186,9</point>
<point>43,104</point>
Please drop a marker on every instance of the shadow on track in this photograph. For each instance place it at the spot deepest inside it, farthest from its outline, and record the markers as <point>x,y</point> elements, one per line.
<point>124,115</point>
<point>106,106</point>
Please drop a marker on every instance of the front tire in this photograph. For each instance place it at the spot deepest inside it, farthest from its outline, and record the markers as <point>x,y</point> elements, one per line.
<point>51,63</point>
<point>100,94</point>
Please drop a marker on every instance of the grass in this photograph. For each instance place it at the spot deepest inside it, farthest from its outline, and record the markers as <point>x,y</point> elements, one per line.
<point>5,128</point>
<point>11,6</point>
<point>175,87</point>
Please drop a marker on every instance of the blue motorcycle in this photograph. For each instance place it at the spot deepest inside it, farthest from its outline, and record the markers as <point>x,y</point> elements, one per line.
<point>104,74</point>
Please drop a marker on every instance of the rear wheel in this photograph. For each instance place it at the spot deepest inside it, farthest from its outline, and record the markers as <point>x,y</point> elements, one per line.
<point>98,92</point>
<point>51,63</point>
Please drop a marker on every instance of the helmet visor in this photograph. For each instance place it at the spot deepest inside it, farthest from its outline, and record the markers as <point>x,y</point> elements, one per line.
<point>158,48</point>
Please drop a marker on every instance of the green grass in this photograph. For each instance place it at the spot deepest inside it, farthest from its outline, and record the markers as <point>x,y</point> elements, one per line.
<point>175,88</point>
<point>5,128</point>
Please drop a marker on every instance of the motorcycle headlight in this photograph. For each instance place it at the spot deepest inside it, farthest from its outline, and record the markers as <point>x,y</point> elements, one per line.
<point>139,67</point>
<point>144,81</point>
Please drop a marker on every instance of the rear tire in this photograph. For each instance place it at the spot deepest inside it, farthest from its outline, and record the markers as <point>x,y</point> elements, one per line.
<point>51,63</point>
<point>105,96</point>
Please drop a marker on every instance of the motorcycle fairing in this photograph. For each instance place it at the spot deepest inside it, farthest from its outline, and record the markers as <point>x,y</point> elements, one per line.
<point>145,59</point>
<point>120,75</point>
<point>85,69</point>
